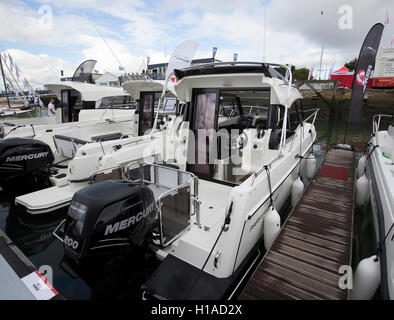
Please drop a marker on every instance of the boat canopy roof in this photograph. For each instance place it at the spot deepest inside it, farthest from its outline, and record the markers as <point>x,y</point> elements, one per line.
<point>135,87</point>
<point>229,68</point>
<point>88,91</point>
<point>237,75</point>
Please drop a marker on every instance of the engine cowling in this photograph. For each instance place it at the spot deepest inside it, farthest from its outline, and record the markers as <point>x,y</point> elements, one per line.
<point>21,164</point>
<point>107,219</point>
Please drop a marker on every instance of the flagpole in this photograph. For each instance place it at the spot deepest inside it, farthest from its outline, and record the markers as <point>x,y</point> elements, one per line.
<point>12,75</point>
<point>5,85</point>
<point>265,8</point>
<point>321,62</point>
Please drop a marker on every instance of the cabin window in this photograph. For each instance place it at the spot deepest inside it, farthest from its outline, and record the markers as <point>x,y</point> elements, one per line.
<point>229,112</point>
<point>294,116</point>
<point>255,103</point>
<point>146,116</point>
<point>243,108</point>
<point>204,120</point>
<point>169,105</point>
<point>71,105</point>
<point>118,102</point>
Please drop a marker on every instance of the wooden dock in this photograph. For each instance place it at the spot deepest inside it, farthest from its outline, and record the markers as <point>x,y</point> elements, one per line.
<point>315,240</point>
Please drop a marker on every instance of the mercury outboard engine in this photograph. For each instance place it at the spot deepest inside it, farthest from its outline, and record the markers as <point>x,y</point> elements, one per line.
<point>109,219</point>
<point>23,164</point>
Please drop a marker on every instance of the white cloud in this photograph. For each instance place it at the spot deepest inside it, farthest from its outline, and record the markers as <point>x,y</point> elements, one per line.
<point>38,69</point>
<point>295,30</point>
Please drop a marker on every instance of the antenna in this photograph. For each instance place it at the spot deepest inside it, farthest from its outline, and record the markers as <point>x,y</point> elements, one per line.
<point>5,85</point>
<point>38,56</point>
<point>165,47</point>
<point>110,49</point>
<point>321,61</point>
<point>265,8</point>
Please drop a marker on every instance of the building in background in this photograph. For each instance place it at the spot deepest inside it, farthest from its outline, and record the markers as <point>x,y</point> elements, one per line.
<point>108,79</point>
<point>383,76</point>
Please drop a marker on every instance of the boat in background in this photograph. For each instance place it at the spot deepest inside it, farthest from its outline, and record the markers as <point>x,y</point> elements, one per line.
<point>83,155</point>
<point>380,173</point>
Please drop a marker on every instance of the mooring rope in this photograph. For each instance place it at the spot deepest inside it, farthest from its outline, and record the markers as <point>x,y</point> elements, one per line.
<point>380,248</point>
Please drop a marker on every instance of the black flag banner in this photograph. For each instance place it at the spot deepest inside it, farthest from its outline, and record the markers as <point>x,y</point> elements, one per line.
<point>365,65</point>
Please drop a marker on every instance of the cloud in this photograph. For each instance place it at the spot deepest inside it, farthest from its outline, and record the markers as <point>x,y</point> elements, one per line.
<point>295,31</point>
<point>38,69</point>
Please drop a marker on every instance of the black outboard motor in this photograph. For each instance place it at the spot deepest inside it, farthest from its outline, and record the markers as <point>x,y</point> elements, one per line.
<point>108,219</point>
<point>23,164</point>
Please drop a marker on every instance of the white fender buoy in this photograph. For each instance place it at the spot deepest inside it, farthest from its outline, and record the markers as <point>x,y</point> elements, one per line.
<point>310,166</point>
<point>362,191</point>
<point>271,227</point>
<point>361,166</point>
<point>296,191</point>
<point>366,279</point>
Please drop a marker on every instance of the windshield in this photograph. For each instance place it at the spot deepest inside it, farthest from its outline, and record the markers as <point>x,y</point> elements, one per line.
<point>118,102</point>
<point>249,102</point>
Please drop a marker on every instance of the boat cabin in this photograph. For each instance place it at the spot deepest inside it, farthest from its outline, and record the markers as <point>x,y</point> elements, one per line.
<point>147,93</point>
<point>77,96</point>
<point>226,105</point>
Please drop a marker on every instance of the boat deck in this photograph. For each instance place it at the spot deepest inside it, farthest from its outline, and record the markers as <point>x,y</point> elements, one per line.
<point>314,242</point>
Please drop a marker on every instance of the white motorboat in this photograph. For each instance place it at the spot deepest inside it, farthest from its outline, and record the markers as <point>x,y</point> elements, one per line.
<point>380,171</point>
<point>203,199</point>
<point>83,154</point>
<point>27,150</point>
<point>82,105</point>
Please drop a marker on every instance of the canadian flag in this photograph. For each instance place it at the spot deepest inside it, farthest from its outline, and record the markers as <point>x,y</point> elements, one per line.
<point>174,79</point>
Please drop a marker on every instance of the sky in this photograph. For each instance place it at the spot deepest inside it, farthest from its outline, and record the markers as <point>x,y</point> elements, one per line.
<point>46,36</point>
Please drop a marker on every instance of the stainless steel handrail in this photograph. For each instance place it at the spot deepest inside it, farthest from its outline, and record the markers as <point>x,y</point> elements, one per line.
<point>314,115</point>
<point>194,198</point>
<point>269,164</point>
<point>111,107</point>
<point>376,124</point>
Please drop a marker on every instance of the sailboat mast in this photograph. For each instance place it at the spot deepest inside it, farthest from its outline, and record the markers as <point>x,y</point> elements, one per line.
<point>5,85</point>
<point>321,62</point>
<point>265,15</point>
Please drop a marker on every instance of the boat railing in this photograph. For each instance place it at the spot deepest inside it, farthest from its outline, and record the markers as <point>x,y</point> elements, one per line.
<point>177,197</point>
<point>312,117</point>
<point>114,172</point>
<point>115,106</point>
<point>376,122</point>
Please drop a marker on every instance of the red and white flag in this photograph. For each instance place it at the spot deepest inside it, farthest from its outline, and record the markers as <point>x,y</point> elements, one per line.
<point>310,73</point>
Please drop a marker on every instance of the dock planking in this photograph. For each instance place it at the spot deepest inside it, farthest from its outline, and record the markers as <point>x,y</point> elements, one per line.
<point>316,239</point>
